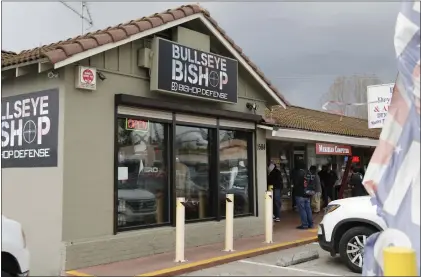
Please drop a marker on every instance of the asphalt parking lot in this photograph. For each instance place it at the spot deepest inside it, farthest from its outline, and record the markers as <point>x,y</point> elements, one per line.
<point>266,265</point>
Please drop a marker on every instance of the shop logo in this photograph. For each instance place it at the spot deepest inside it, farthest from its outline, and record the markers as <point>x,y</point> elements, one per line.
<point>29,130</point>
<point>150,169</point>
<point>191,72</point>
<point>332,149</point>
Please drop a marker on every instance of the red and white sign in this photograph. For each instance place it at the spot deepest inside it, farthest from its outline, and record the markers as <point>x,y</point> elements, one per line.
<point>333,149</point>
<point>86,78</point>
<point>138,125</point>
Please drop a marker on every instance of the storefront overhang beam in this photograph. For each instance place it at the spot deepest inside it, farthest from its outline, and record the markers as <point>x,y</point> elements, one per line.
<point>291,134</point>
<point>269,128</point>
<point>142,102</point>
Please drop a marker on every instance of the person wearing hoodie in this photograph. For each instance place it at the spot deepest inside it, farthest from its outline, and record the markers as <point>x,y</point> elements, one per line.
<point>301,181</point>
<point>275,180</point>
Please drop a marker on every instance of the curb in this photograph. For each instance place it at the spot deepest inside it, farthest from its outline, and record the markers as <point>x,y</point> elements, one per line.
<point>194,266</point>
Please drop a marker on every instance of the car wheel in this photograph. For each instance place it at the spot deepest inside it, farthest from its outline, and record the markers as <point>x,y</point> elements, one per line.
<point>351,247</point>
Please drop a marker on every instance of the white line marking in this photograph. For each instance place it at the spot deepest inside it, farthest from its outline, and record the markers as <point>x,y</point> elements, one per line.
<point>315,243</point>
<point>288,268</point>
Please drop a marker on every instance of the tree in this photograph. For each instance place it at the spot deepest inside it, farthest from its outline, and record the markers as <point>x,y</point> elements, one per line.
<point>351,89</point>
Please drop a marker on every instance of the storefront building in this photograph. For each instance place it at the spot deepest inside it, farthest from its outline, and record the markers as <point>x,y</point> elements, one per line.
<point>101,133</point>
<point>317,138</point>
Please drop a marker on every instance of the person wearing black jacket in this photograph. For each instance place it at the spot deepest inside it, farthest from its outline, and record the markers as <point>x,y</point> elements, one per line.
<point>302,199</point>
<point>356,182</point>
<point>275,180</point>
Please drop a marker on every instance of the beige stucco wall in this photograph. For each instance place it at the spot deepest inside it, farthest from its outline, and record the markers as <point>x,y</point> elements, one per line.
<point>33,196</point>
<point>89,159</point>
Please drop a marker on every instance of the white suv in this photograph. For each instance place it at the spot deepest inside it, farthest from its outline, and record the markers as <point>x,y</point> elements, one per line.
<point>345,227</point>
<point>14,254</point>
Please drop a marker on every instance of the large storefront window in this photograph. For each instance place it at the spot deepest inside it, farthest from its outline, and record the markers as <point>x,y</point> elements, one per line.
<point>142,182</point>
<point>193,168</point>
<point>160,160</point>
<point>234,160</point>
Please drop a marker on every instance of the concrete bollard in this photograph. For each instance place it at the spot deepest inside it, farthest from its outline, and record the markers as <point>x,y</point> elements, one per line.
<point>180,230</point>
<point>229,223</point>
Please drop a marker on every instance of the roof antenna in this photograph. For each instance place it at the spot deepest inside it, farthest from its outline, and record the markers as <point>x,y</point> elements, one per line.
<point>81,15</point>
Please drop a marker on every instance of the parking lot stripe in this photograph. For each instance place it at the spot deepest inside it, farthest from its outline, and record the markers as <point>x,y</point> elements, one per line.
<point>288,268</point>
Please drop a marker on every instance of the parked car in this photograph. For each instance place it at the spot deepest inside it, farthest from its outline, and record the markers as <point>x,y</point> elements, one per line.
<point>14,253</point>
<point>345,227</point>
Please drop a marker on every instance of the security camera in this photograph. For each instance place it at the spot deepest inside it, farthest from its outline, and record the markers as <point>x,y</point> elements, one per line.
<point>101,76</point>
<point>251,106</point>
<point>52,74</point>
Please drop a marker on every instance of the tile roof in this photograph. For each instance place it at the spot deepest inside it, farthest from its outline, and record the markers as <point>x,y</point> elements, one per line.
<point>317,121</point>
<point>7,55</point>
<point>62,50</point>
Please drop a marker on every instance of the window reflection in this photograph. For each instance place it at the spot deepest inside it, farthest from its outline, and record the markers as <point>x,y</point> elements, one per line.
<point>192,151</point>
<point>234,174</point>
<point>142,173</point>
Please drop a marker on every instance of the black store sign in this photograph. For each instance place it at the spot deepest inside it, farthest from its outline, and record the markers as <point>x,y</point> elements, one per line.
<point>29,129</point>
<point>187,71</point>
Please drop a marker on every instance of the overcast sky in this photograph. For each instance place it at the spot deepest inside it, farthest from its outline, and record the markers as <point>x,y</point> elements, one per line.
<point>301,46</point>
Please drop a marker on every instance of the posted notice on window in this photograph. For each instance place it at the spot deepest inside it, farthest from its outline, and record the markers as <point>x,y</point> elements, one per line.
<point>29,129</point>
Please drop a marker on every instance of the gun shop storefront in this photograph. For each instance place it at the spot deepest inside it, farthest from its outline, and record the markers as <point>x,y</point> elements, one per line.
<point>175,113</point>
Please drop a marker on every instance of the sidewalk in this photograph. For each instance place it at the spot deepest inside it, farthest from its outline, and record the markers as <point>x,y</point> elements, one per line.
<point>285,236</point>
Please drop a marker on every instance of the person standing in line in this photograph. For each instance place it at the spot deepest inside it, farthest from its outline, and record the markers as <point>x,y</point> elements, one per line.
<point>322,175</point>
<point>318,189</point>
<point>337,184</point>
<point>356,182</point>
<point>275,180</point>
<point>303,183</point>
<point>330,181</point>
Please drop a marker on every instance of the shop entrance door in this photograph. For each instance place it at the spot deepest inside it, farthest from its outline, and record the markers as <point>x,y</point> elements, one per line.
<point>299,157</point>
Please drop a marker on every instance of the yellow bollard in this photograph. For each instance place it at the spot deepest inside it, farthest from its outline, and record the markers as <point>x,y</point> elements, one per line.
<point>399,261</point>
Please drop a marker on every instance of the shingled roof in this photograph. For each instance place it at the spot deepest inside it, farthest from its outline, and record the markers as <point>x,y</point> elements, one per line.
<point>300,118</point>
<point>59,51</point>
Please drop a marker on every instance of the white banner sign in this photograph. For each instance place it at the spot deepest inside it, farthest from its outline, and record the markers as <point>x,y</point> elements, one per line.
<point>378,100</point>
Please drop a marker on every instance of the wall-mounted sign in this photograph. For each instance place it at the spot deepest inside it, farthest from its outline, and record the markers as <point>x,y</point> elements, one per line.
<point>86,77</point>
<point>29,129</point>
<point>137,125</point>
<point>186,71</point>
<point>333,149</point>
<point>378,101</point>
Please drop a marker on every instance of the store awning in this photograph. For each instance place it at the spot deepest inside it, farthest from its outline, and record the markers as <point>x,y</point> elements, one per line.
<point>301,135</point>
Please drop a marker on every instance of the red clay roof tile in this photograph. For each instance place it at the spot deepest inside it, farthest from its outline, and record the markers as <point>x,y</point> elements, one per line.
<point>317,121</point>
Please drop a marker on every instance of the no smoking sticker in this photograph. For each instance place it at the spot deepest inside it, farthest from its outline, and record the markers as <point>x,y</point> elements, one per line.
<point>88,76</point>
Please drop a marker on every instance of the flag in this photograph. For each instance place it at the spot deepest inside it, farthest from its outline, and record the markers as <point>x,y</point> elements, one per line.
<point>393,175</point>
